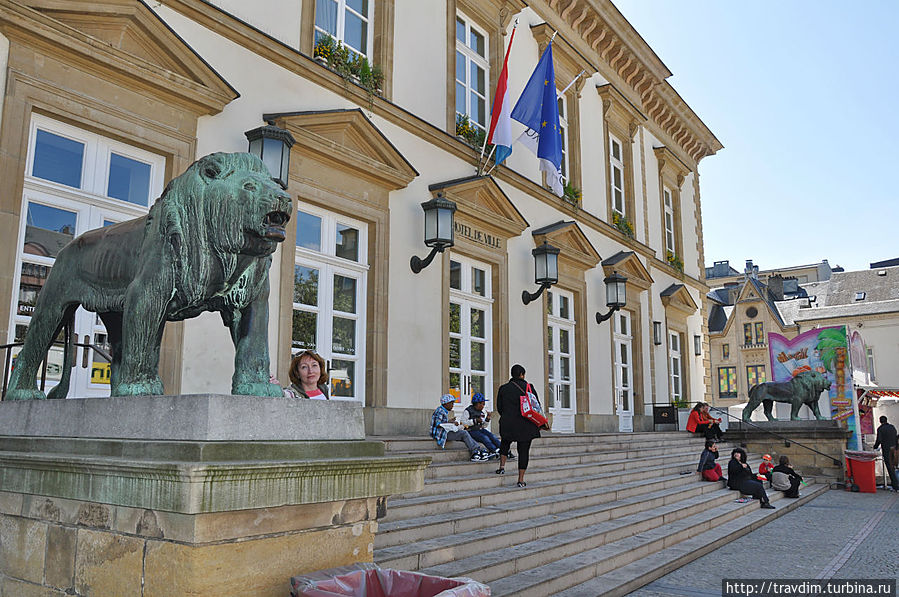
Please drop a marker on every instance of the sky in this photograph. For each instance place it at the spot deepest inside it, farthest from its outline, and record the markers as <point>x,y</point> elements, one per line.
<point>803,95</point>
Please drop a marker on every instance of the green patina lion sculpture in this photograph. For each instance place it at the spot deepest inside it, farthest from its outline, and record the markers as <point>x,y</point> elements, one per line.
<point>205,245</point>
<point>805,389</point>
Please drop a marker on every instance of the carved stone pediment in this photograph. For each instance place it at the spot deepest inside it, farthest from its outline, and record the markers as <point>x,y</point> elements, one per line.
<point>123,36</point>
<point>573,243</point>
<point>481,201</point>
<point>628,264</point>
<point>678,298</point>
<point>348,139</point>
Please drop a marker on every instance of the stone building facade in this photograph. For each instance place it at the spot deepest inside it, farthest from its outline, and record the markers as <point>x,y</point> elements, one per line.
<point>106,100</point>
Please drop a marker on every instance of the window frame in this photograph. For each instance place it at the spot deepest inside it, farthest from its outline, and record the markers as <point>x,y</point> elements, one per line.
<point>562,102</point>
<point>668,220</point>
<point>756,369</point>
<point>329,265</point>
<point>625,339</point>
<point>619,164</point>
<point>340,34</point>
<point>675,365</point>
<point>731,379</point>
<point>482,62</point>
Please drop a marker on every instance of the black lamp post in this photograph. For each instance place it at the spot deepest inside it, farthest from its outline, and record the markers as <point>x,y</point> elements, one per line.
<point>439,234</point>
<point>546,270</point>
<point>616,295</point>
<point>272,144</point>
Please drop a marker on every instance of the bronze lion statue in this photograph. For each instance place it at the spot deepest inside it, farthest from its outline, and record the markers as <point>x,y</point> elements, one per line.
<point>205,245</point>
<point>805,389</point>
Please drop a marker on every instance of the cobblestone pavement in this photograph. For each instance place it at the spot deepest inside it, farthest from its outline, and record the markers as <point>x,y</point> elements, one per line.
<point>829,537</point>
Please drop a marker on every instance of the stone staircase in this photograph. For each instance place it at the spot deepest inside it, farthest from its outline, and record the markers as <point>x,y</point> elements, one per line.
<point>603,514</point>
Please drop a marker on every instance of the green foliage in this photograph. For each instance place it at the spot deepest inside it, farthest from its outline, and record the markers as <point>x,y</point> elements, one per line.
<point>472,134</point>
<point>829,342</point>
<point>623,224</point>
<point>680,402</point>
<point>572,194</point>
<point>350,65</point>
<point>674,261</point>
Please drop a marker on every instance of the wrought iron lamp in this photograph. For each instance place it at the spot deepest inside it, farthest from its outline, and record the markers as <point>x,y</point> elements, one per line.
<point>616,295</point>
<point>546,270</point>
<point>272,144</point>
<point>439,233</point>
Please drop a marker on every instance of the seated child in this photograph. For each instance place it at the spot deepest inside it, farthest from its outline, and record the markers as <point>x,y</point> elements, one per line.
<point>441,435</point>
<point>785,479</point>
<point>765,469</point>
<point>475,422</point>
<point>710,470</point>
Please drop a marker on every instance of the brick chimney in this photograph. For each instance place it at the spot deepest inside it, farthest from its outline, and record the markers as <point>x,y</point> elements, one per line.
<point>776,286</point>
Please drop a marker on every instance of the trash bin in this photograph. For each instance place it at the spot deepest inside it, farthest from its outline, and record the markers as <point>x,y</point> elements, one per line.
<point>860,468</point>
<point>369,580</point>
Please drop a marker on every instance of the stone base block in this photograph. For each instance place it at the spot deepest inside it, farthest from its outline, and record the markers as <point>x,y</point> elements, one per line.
<point>63,547</point>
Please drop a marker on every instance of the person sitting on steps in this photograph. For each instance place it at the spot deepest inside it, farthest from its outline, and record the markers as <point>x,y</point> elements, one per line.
<point>708,468</point>
<point>741,478</point>
<point>785,479</point>
<point>441,435</point>
<point>475,422</point>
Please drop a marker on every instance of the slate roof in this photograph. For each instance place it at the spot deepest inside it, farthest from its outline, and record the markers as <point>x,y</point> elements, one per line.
<point>860,308</point>
<point>844,286</point>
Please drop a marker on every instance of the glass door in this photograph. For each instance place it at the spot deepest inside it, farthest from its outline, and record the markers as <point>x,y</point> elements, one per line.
<point>624,372</point>
<point>470,331</point>
<point>560,365</point>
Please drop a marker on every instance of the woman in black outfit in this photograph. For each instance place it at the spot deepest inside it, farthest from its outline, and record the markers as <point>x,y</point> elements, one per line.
<point>741,478</point>
<point>513,427</point>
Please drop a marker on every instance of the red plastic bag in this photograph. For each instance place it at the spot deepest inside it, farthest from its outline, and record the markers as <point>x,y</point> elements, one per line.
<point>531,409</point>
<point>368,580</point>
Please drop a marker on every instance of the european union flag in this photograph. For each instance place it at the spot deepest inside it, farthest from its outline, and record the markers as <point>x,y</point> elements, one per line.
<point>538,109</point>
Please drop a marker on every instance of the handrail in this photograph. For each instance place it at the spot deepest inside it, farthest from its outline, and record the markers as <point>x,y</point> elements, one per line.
<point>777,435</point>
<point>8,361</point>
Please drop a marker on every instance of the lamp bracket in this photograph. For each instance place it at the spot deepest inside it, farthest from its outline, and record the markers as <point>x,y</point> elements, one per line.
<point>601,318</point>
<point>527,297</point>
<point>417,264</point>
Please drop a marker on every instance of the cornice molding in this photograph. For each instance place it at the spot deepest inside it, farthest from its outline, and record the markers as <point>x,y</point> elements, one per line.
<point>599,31</point>
<point>195,84</point>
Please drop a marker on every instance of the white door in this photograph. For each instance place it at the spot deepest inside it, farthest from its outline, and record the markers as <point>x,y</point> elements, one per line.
<point>470,331</point>
<point>675,367</point>
<point>560,366</point>
<point>75,181</point>
<point>330,275</point>
<point>624,370</point>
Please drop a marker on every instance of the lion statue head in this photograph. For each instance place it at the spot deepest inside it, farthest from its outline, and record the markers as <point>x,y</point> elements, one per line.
<point>223,206</point>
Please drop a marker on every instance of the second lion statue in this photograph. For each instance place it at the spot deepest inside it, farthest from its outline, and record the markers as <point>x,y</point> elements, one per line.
<point>805,389</point>
<point>205,245</point>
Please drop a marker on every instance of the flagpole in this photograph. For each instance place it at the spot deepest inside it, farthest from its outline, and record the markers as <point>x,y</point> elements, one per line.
<point>578,76</point>
<point>487,136</point>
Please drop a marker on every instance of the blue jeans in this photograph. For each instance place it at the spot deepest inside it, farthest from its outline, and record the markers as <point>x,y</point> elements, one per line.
<point>485,437</point>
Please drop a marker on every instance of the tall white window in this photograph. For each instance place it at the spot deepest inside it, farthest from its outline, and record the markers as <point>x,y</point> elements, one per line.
<point>472,72</point>
<point>623,340</point>
<point>75,181</point>
<point>470,329</point>
<point>616,160</point>
<point>669,220</point>
<point>349,21</point>
<point>561,358</point>
<point>563,130</point>
<point>675,367</point>
<point>869,355</point>
<point>329,293</point>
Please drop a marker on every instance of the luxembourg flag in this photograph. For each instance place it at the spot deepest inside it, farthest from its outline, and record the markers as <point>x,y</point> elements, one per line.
<point>500,134</point>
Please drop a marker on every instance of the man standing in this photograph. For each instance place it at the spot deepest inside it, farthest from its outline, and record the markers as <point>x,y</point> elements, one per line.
<point>887,441</point>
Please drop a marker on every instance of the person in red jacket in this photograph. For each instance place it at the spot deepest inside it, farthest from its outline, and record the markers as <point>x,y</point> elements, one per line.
<point>701,422</point>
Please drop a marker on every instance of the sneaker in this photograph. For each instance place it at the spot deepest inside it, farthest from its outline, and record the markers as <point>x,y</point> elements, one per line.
<point>500,471</point>
<point>477,457</point>
<point>522,484</point>
<point>492,455</point>
<point>767,506</point>
<point>511,456</point>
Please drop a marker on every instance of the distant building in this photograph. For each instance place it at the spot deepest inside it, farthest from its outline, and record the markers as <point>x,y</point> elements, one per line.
<point>722,273</point>
<point>744,310</point>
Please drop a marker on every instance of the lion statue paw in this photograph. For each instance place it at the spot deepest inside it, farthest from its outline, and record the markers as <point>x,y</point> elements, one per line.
<point>259,388</point>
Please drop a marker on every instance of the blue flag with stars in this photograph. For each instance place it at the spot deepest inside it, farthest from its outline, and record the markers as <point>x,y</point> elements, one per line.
<point>537,108</point>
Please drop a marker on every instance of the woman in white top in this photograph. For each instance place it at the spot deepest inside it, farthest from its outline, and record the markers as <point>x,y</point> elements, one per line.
<point>308,377</point>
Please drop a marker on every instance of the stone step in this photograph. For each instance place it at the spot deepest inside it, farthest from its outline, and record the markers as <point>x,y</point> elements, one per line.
<point>611,441</point>
<point>607,459</point>
<point>491,529</point>
<point>531,578</point>
<point>634,575</point>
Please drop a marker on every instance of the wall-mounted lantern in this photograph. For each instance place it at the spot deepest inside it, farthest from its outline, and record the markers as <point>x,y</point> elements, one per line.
<point>616,295</point>
<point>657,333</point>
<point>546,270</point>
<point>272,144</point>
<point>439,234</point>
<point>697,345</point>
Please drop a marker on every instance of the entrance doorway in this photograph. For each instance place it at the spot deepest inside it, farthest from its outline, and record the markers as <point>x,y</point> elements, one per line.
<point>470,331</point>
<point>561,359</point>
<point>623,341</point>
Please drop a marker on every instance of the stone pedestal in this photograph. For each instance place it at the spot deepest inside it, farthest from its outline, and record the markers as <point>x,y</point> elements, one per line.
<point>827,437</point>
<point>187,495</point>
